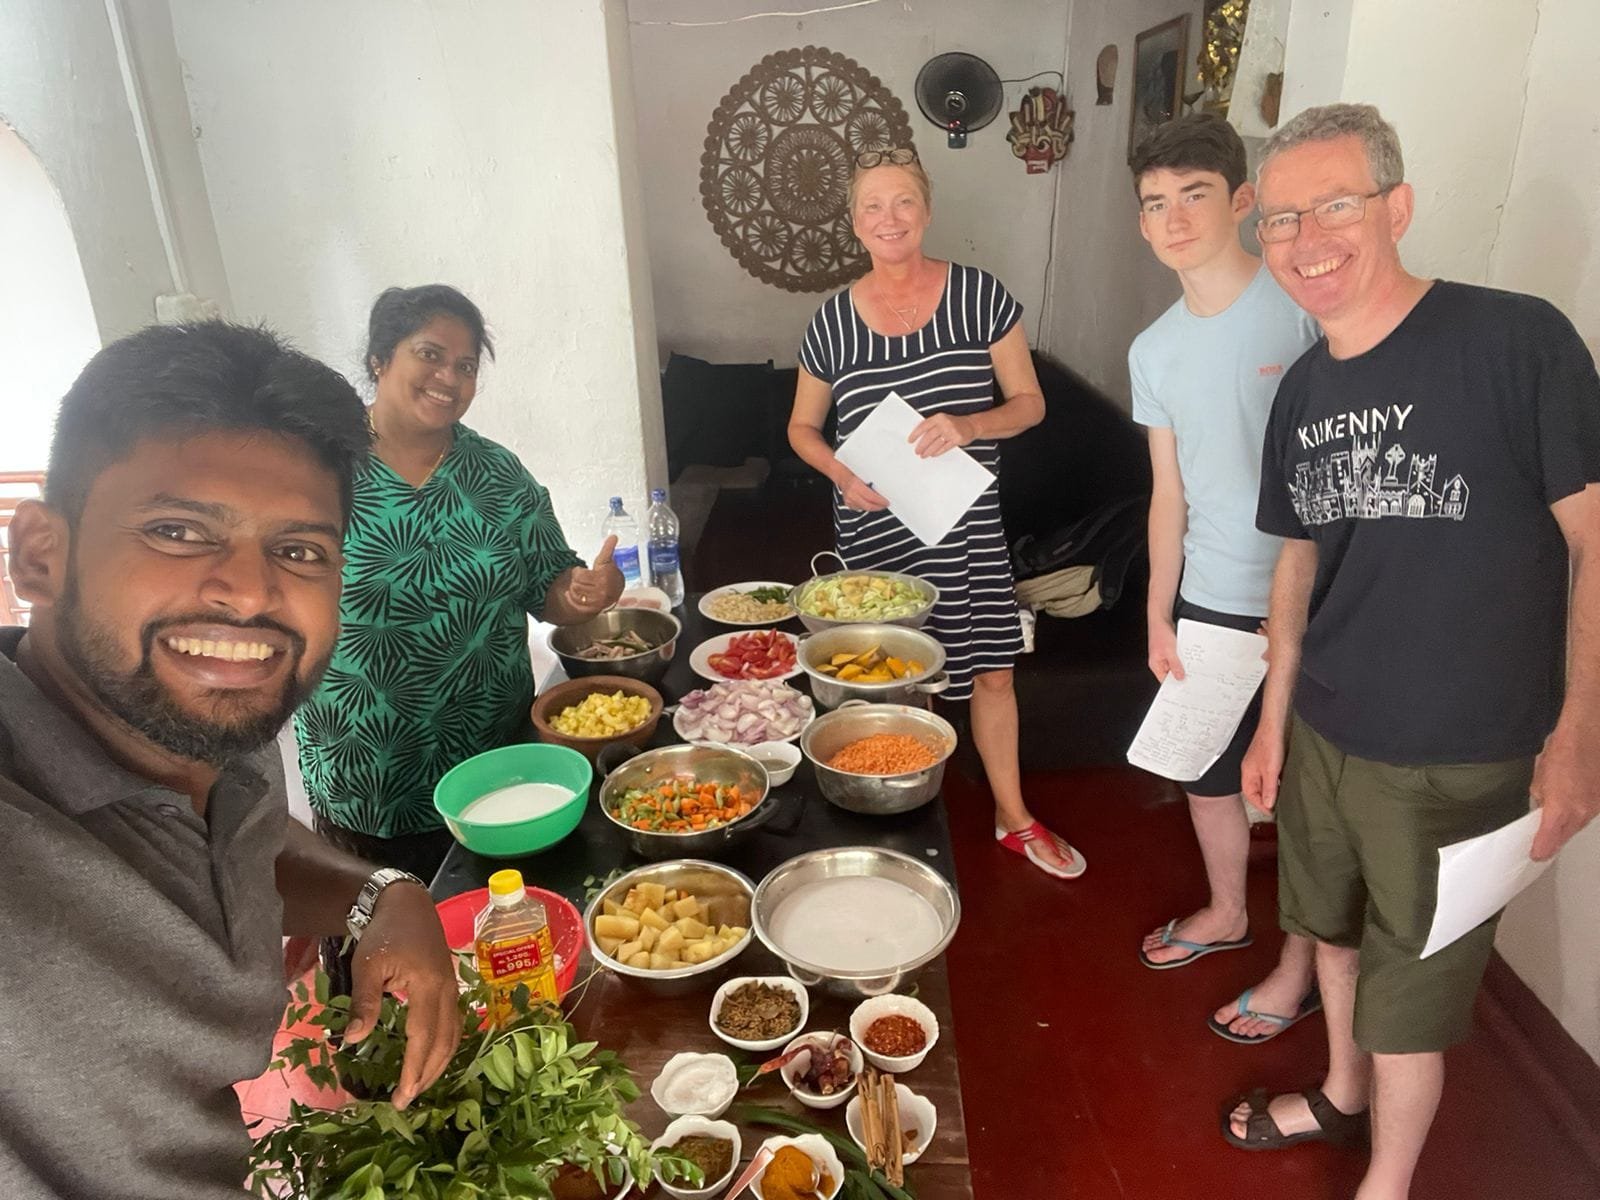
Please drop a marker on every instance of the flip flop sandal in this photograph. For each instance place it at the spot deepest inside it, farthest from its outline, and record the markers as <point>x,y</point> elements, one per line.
<point>1261,1132</point>
<point>1023,842</point>
<point>1198,950</point>
<point>1311,1004</point>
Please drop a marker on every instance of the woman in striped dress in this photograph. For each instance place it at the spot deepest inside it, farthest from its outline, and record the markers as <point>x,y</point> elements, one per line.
<point>940,335</point>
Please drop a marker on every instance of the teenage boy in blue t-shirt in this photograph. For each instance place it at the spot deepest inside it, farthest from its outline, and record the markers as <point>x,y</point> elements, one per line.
<point>1204,375</point>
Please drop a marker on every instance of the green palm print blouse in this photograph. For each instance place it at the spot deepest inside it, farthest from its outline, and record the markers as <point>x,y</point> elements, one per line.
<point>432,661</point>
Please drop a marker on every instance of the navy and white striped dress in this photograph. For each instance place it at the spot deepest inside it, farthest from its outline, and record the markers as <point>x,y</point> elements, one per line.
<point>942,367</point>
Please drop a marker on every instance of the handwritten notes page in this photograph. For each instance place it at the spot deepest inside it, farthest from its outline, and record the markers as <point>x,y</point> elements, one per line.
<point>929,495</point>
<point>1193,719</point>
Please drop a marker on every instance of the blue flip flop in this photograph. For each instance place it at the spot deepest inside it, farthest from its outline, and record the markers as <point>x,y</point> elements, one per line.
<point>1311,1004</point>
<point>1198,950</point>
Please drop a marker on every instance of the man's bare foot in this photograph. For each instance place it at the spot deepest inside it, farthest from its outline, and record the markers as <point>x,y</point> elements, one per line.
<point>1204,927</point>
<point>1281,993</point>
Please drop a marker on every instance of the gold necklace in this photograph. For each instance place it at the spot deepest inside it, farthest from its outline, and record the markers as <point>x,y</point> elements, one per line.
<point>899,312</point>
<point>435,466</point>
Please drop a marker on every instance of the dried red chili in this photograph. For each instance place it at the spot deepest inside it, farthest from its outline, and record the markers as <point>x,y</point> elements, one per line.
<point>895,1036</point>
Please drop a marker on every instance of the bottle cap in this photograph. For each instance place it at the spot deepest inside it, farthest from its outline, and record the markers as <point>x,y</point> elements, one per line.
<point>506,887</point>
<point>658,494</point>
<point>616,503</point>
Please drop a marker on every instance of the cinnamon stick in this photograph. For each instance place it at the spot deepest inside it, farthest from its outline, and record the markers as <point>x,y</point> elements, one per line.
<point>871,1119</point>
<point>896,1167</point>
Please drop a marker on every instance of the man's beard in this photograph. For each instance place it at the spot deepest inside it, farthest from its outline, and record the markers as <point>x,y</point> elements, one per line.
<point>141,701</point>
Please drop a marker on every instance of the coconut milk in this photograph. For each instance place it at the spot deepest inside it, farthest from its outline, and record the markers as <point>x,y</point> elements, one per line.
<point>519,802</point>
<point>856,923</point>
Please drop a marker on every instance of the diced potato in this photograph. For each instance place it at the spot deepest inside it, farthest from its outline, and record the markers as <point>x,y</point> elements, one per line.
<point>655,895</point>
<point>608,945</point>
<point>839,660</point>
<point>627,950</point>
<point>654,919</point>
<point>738,931</point>
<point>624,927</point>
<point>663,962</point>
<point>699,952</point>
<point>671,940</point>
<point>611,908</point>
<point>648,935</point>
<point>635,901</point>
<point>687,907</point>
<point>672,894</point>
<point>690,928</point>
<point>640,960</point>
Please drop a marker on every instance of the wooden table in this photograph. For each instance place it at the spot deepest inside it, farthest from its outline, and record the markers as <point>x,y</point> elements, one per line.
<point>646,1029</point>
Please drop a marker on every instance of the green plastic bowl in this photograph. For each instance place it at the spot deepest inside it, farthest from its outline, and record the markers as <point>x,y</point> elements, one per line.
<point>530,763</point>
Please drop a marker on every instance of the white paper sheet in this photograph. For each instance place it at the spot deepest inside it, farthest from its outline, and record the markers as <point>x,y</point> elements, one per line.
<point>1478,877</point>
<point>1193,719</point>
<point>929,495</point>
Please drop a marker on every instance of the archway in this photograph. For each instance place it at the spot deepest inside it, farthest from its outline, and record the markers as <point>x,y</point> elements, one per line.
<point>47,325</point>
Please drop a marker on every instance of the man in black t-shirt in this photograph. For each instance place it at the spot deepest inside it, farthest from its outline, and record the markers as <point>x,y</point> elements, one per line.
<point>1434,465</point>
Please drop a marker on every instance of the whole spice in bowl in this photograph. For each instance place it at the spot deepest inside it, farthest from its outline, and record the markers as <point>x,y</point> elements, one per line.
<point>895,1035</point>
<point>757,1012</point>
<point>829,1071</point>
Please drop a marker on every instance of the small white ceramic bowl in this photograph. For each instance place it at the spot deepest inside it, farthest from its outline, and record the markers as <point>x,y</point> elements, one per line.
<point>792,1070</point>
<point>690,1127</point>
<point>869,1011</point>
<point>816,1148</point>
<point>779,758</point>
<point>916,1112</point>
<point>726,1085</point>
<point>794,988</point>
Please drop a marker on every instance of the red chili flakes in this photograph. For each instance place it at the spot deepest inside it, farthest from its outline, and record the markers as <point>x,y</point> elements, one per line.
<point>895,1036</point>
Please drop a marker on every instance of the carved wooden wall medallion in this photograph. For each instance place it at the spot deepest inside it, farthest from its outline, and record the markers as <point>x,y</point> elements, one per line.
<point>776,168</point>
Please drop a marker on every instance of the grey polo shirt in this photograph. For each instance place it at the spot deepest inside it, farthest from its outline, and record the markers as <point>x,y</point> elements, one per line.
<point>142,972</point>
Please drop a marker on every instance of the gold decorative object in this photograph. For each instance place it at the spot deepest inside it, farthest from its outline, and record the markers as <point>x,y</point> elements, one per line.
<point>1222,35</point>
<point>1041,129</point>
<point>776,168</point>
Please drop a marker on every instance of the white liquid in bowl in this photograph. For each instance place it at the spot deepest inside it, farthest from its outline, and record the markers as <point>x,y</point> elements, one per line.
<point>519,802</point>
<point>855,923</point>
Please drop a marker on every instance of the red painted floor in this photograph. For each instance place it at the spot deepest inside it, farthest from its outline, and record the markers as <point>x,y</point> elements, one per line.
<point>1088,1076</point>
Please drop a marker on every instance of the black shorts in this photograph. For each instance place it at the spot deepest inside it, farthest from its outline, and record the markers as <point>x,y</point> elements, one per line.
<point>1223,777</point>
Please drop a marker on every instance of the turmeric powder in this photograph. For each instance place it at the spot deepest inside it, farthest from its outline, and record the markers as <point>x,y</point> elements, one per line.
<point>791,1175</point>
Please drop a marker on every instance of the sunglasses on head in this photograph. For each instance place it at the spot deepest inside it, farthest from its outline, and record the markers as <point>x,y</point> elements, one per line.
<point>897,156</point>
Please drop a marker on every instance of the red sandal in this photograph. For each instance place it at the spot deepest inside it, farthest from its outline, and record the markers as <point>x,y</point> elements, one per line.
<point>1022,842</point>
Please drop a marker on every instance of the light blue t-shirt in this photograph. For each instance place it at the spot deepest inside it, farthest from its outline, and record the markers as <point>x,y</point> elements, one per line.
<point>1211,381</point>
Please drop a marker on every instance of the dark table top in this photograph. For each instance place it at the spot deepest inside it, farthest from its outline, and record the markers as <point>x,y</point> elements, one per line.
<point>646,1029</point>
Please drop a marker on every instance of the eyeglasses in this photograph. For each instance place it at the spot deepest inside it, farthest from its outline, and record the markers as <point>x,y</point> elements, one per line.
<point>1330,214</point>
<point>898,156</point>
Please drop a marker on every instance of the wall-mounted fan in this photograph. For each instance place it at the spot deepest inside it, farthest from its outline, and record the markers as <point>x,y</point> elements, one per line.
<point>959,93</point>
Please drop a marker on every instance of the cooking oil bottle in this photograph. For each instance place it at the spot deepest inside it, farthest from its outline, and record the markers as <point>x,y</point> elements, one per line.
<point>513,946</point>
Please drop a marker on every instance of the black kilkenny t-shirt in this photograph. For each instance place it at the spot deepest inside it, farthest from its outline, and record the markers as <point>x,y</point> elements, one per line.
<point>1424,471</point>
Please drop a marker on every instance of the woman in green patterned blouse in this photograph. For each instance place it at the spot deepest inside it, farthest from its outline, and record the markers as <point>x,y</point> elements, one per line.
<point>451,545</point>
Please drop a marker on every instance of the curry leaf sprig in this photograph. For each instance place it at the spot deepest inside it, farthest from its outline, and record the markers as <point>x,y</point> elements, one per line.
<point>516,1103</point>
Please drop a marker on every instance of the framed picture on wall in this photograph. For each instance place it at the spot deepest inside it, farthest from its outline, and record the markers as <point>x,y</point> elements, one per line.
<point>1160,56</point>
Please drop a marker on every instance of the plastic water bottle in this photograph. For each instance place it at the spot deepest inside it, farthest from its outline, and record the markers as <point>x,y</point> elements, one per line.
<point>665,570</point>
<point>626,529</point>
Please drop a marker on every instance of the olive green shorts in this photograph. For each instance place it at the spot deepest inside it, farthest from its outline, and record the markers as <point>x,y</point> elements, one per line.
<point>1358,866</point>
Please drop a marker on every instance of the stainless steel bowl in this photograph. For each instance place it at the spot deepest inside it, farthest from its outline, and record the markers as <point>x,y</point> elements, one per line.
<point>845,861</point>
<point>908,645</point>
<point>816,624</point>
<point>660,629</point>
<point>729,892</point>
<point>876,795</point>
<point>719,764</point>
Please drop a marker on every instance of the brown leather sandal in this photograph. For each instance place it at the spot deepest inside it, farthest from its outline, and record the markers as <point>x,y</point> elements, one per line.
<point>1335,1127</point>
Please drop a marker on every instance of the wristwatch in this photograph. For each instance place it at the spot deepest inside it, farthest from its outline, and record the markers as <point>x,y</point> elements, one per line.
<point>360,915</point>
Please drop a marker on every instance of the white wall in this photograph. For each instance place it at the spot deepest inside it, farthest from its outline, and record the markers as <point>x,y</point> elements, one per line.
<point>1106,285</point>
<point>1549,244</point>
<point>47,327</point>
<point>475,142</point>
<point>987,210</point>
